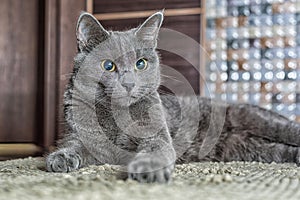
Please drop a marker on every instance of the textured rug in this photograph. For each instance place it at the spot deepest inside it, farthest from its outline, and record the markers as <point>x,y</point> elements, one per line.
<point>27,179</point>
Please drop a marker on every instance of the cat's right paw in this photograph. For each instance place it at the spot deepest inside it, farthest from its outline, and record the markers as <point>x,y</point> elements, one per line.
<point>149,170</point>
<point>63,161</point>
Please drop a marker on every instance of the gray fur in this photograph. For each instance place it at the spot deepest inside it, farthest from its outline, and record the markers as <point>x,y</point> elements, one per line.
<point>148,132</point>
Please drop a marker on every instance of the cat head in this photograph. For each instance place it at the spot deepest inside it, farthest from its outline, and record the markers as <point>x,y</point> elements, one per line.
<point>125,64</point>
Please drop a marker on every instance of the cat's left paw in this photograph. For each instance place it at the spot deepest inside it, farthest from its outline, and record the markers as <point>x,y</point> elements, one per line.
<point>63,161</point>
<point>149,170</point>
<point>297,158</point>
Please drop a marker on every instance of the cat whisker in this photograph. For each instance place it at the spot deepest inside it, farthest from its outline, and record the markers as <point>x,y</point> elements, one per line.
<point>70,75</point>
<point>84,101</point>
<point>118,96</point>
<point>171,77</point>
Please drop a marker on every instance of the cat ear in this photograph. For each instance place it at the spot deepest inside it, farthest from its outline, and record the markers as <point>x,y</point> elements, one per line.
<point>89,32</point>
<point>148,31</point>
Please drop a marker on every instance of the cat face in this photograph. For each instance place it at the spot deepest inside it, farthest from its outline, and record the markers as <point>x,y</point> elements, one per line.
<point>125,64</point>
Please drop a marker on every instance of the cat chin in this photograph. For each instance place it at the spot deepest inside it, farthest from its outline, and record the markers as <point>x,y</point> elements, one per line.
<point>124,102</point>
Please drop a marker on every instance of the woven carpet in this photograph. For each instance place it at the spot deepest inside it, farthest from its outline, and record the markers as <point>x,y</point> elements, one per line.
<point>27,179</point>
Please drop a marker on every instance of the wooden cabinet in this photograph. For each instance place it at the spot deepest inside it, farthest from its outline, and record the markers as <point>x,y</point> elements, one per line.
<point>37,47</point>
<point>19,44</point>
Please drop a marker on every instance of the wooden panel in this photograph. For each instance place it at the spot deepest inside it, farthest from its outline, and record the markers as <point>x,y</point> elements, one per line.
<point>183,77</point>
<point>18,70</point>
<point>181,45</point>
<point>189,25</point>
<point>101,6</point>
<point>50,79</point>
<point>19,150</point>
<point>147,13</point>
<point>69,13</point>
<point>203,53</point>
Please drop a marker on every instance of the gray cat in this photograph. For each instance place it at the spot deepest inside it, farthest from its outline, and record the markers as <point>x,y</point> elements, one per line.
<point>115,114</point>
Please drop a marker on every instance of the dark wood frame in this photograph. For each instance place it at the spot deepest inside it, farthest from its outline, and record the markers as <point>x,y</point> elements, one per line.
<point>50,72</point>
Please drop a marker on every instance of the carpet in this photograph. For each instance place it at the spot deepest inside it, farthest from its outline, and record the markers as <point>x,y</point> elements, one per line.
<point>27,179</point>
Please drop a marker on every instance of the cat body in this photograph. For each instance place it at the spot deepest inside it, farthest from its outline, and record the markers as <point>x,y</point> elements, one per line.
<point>115,114</point>
<point>247,132</point>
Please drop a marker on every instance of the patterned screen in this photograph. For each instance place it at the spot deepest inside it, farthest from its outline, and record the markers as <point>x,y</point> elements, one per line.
<point>254,51</point>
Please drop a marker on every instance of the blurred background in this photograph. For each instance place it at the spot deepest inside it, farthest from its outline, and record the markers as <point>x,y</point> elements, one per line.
<point>250,54</point>
<point>254,50</point>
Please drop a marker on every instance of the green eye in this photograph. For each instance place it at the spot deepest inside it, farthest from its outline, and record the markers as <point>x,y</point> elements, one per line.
<point>141,64</point>
<point>108,65</point>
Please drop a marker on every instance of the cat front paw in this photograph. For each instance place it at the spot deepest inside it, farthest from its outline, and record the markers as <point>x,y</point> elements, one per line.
<point>149,170</point>
<point>63,161</point>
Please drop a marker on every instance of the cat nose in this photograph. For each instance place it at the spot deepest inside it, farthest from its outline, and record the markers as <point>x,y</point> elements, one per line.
<point>128,86</point>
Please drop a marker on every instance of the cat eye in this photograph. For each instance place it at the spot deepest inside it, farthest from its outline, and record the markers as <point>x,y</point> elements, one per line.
<point>108,65</point>
<point>141,64</point>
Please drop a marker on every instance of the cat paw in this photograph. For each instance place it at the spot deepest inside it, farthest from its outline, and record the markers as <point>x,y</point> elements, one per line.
<point>297,159</point>
<point>63,161</point>
<point>149,170</point>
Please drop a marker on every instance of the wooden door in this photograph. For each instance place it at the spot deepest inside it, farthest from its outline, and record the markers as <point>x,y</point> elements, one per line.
<point>37,46</point>
<point>19,43</point>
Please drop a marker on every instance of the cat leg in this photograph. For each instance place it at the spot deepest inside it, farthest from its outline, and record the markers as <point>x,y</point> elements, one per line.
<point>155,155</point>
<point>71,156</point>
<point>247,147</point>
<point>264,123</point>
<point>154,163</point>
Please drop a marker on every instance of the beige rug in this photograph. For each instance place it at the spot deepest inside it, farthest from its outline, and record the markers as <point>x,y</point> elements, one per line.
<point>27,179</point>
